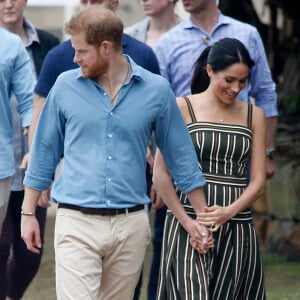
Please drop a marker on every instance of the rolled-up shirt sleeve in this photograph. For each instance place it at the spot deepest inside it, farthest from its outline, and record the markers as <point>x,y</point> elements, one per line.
<point>48,144</point>
<point>174,141</point>
<point>263,88</point>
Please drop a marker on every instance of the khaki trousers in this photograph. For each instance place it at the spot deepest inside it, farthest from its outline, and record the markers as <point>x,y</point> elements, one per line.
<point>4,198</point>
<point>99,257</point>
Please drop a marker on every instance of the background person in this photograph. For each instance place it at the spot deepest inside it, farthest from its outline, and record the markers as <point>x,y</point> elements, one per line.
<point>17,269</point>
<point>15,77</point>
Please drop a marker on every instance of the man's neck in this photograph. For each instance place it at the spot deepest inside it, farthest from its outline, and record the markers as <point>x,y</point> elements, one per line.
<point>160,24</point>
<point>206,20</point>
<point>116,75</point>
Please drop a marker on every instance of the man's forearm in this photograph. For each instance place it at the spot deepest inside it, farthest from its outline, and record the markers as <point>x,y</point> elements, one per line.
<point>197,199</point>
<point>30,201</point>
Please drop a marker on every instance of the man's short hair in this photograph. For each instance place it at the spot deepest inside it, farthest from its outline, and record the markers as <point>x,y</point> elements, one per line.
<point>99,24</point>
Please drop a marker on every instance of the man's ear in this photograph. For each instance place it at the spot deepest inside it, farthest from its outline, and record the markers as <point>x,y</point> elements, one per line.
<point>105,47</point>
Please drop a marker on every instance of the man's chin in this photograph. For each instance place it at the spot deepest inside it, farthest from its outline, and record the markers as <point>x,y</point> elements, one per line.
<point>85,74</point>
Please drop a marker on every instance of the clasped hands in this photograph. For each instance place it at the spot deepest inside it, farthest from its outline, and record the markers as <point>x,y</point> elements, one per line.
<point>210,221</point>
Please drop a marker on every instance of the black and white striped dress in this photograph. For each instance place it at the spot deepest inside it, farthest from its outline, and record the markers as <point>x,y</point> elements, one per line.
<point>232,269</point>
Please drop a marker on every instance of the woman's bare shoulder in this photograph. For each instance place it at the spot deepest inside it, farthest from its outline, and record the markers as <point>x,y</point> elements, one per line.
<point>183,106</point>
<point>258,116</point>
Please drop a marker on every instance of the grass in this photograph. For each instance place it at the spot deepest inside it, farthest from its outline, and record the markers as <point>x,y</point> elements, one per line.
<point>282,277</point>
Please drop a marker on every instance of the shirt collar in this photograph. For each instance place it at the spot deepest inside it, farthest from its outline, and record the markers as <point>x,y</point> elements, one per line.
<point>135,70</point>
<point>222,20</point>
<point>31,33</point>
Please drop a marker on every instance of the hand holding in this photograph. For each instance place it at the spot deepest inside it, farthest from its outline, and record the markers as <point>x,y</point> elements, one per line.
<point>198,236</point>
<point>197,245</point>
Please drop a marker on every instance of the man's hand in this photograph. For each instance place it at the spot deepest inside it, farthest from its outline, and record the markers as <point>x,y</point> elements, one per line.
<point>156,200</point>
<point>198,236</point>
<point>44,200</point>
<point>150,160</point>
<point>30,233</point>
<point>197,245</point>
<point>25,161</point>
<point>270,168</point>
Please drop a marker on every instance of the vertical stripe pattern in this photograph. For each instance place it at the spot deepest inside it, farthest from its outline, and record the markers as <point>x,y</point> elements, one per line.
<point>184,273</point>
<point>232,269</point>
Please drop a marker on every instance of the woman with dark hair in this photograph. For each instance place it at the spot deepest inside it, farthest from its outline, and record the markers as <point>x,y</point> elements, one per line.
<point>226,133</point>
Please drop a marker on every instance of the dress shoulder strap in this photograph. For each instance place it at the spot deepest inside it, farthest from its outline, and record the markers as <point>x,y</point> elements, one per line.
<point>249,118</point>
<point>190,107</point>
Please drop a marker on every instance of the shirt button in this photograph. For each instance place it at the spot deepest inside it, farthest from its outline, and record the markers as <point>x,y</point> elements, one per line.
<point>109,157</point>
<point>108,179</point>
<point>104,94</point>
<point>111,113</point>
<point>109,135</point>
<point>108,201</point>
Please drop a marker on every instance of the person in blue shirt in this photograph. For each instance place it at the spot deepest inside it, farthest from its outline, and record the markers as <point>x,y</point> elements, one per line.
<point>18,266</point>
<point>15,77</point>
<point>100,117</point>
<point>60,59</point>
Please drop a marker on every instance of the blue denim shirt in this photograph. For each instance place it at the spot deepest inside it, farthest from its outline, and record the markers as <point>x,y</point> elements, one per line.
<point>178,49</point>
<point>15,77</point>
<point>104,146</point>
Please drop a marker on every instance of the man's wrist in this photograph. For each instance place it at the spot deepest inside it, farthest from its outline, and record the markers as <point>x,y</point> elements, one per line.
<point>27,213</point>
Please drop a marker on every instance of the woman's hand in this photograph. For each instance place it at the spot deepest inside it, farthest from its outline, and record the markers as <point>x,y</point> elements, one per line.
<point>214,216</point>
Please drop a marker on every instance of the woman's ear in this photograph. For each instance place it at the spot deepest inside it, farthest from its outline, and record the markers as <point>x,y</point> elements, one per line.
<point>209,70</point>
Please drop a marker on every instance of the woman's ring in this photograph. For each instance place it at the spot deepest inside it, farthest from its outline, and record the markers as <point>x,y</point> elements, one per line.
<point>212,225</point>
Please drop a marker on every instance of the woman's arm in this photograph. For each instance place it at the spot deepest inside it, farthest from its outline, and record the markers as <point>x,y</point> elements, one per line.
<point>165,188</point>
